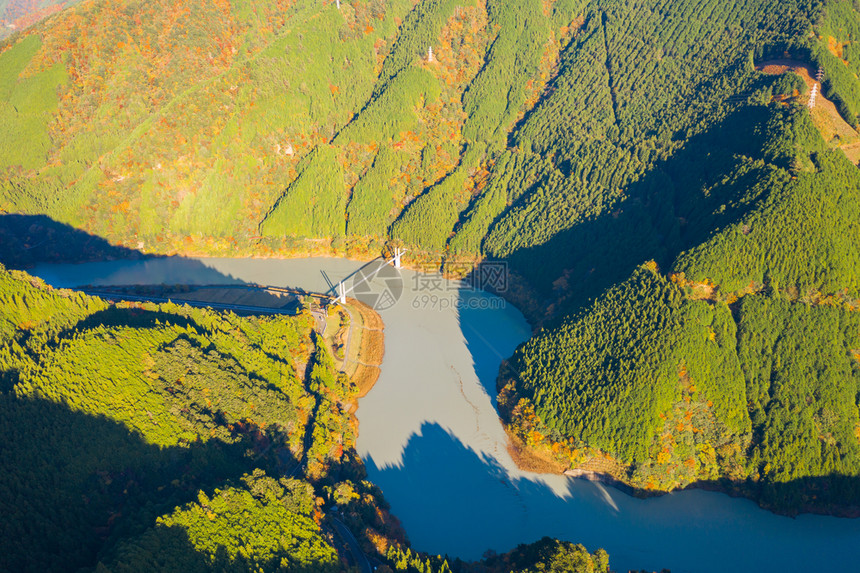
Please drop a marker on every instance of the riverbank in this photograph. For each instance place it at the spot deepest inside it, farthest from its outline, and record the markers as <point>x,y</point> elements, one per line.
<point>607,471</point>
<point>552,458</point>
<point>360,348</point>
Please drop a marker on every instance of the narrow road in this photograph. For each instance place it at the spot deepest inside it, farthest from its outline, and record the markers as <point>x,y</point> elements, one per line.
<point>354,548</point>
<point>348,338</point>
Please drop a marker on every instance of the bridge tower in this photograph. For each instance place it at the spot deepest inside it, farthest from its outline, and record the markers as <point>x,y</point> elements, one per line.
<point>398,253</point>
<point>341,293</point>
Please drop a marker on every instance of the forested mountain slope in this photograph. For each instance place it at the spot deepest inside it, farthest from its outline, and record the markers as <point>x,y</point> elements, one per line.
<point>18,14</point>
<point>662,205</point>
<point>187,125</point>
<point>740,360</point>
<point>113,415</point>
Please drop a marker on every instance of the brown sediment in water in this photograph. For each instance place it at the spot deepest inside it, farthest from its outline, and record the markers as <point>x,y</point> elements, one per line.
<point>365,377</point>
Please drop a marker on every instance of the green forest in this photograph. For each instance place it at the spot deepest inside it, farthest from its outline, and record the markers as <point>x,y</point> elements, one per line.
<point>680,228</point>
<point>290,123</point>
<point>119,420</point>
<point>739,361</point>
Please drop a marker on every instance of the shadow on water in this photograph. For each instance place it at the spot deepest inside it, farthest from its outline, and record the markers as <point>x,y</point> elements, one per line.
<point>453,500</point>
<point>450,498</point>
<point>491,336</point>
<point>28,241</point>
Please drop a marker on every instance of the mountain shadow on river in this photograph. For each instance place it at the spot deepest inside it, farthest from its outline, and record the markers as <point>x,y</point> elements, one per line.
<point>441,478</point>
<point>480,328</point>
<point>833,494</point>
<point>28,240</point>
<point>74,484</point>
<point>452,499</point>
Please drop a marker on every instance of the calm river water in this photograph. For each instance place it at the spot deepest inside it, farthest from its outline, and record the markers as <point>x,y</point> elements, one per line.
<point>431,440</point>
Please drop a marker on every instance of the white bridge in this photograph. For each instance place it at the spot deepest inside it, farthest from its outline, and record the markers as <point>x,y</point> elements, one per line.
<point>342,290</point>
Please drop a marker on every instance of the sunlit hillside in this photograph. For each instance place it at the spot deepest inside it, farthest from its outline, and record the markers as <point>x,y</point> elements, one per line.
<point>17,15</point>
<point>671,210</point>
<point>193,125</point>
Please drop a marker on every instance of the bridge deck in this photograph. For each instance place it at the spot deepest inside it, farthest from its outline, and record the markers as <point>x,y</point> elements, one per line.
<point>252,299</point>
